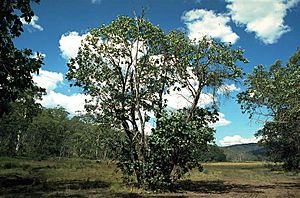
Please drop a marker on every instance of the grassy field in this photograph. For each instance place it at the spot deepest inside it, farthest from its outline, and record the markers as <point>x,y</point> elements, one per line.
<point>86,178</point>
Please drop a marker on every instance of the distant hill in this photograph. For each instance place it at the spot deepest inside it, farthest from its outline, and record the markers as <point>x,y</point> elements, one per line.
<point>245,152</point>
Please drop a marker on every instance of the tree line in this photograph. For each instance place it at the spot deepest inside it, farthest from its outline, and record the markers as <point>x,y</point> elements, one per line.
<point>53,133</point>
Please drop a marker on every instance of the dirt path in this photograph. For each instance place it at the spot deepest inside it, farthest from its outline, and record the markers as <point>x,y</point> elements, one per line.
<point>219,189</point>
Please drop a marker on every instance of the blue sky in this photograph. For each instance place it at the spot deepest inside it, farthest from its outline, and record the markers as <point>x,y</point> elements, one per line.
<point>267,29</point>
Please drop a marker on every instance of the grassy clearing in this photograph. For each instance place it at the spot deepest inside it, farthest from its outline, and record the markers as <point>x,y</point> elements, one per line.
<point>243,172</point>
<point>87,178</point>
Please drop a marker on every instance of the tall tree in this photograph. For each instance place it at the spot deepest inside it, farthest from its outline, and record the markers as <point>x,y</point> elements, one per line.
<point>118,67</point>
<point>16,66</point>
<point>47,133</point>
<point>130,67</point>
<point>274,94</point>
<point>14,125</point>
<point>91,139</point>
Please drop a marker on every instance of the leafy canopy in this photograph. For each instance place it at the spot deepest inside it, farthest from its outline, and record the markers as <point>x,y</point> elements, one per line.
<point>274,93</point>
<point>16,66</point>
<point>130,68</point>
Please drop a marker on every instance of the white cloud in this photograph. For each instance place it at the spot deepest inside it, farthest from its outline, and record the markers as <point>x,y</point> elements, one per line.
<point>221,122</point>
<point>183,98</point>
<point>237,139</point>
<point>48,80</point>
<point>33,23</point>
<point>148,128</point>
<point>72,103</point>
<point>96,1</point>
<point>265,18</point>
<point>69,44</point>
<point>35,55</point>
<point>227,89</point>
<point>202,23</point>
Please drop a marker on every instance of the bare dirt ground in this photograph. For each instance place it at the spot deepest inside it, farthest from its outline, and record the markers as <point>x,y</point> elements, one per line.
<point>221,189</point>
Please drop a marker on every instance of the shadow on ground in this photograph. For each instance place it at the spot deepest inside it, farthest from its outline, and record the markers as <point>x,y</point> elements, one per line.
<point>34,187</point>
<point>14,186</point>
<point>218,187</point>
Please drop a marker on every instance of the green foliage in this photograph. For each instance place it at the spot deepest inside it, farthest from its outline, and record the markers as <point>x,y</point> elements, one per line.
<point>29,130</point>
<point>213,154</point>
<point>11,25</point>
<point>17,89</point>
<point>176,147</point>
<point>16,66</point>
<point>14,125</point>
<point>129,67</point>
<point>282,141</point>
<point>274,93</point>
<point>245,152</point>
<point>173,149</point>
<point>47,133</point>
<point>88,139</point>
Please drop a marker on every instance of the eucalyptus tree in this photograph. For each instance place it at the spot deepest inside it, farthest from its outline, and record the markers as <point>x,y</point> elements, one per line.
<point>274,94</point>
<point>89,139</point>
<point>47,133</point>
<point>131,68</point>
<point>14,125</point>
<point>119,66</point>
<point>180,138</point>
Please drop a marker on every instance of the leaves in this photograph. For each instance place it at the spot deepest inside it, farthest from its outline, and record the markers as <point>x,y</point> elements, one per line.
<point>274,93</point>
<point>16,66</point>
<point>129,67</point>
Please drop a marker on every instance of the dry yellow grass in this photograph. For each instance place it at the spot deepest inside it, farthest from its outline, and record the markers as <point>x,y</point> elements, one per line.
<point>87,178</point>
